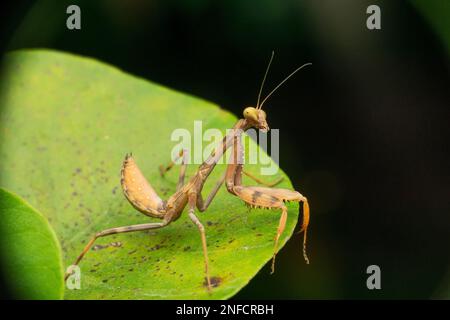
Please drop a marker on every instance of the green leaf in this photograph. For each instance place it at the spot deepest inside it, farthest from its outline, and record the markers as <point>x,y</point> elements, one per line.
<point>66,125</point>
<point>29,251</point>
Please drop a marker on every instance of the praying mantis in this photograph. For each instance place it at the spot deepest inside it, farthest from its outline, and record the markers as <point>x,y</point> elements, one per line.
<point>143,197</point>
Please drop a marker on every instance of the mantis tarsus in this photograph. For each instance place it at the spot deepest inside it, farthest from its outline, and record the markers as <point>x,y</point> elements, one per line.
<point>144,198</point>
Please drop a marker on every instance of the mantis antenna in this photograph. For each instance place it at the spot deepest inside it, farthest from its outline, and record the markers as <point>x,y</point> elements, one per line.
<point>285,79</point>
<point>264,79</point>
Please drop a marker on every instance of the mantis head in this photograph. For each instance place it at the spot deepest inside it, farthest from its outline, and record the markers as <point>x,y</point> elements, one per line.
<point>255,115</point>
<point>257,118</point>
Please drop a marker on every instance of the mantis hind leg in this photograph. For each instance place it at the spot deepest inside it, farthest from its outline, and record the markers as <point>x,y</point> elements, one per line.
<point>107,232</point>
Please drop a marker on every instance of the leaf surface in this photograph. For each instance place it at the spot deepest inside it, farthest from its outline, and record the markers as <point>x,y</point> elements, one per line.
<point>67,123</point>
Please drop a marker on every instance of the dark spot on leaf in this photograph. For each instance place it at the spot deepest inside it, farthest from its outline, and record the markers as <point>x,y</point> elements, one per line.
<point>132,251</point>
<point>131,269</point>
<point>156,247</point>
<point>112,244</point>
<point>105,280</point>
<point>186,248</point>
<point>215,282</point>
<point>231,240</point>
<point>259,234</point>
<point>92,270</point>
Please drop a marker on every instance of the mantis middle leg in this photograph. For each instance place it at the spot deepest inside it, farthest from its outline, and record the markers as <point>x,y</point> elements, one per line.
<point>192,203</point>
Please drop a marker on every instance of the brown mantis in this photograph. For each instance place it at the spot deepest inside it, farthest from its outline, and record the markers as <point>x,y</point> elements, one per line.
<point>144,198</point>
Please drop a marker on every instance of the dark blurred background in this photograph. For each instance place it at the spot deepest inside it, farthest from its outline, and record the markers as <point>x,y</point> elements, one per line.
<point>364,131</point>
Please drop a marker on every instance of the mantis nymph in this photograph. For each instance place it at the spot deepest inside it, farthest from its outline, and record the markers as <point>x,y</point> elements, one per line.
<point>144,198</point>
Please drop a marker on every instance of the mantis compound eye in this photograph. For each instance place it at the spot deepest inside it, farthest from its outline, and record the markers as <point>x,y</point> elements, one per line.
<point>251,113</point>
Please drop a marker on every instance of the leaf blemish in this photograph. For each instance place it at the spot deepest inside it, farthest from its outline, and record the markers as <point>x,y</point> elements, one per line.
<point>156,247</point>
<point>98,247</point>
<point>215,282</point>
<point>112,244</point>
